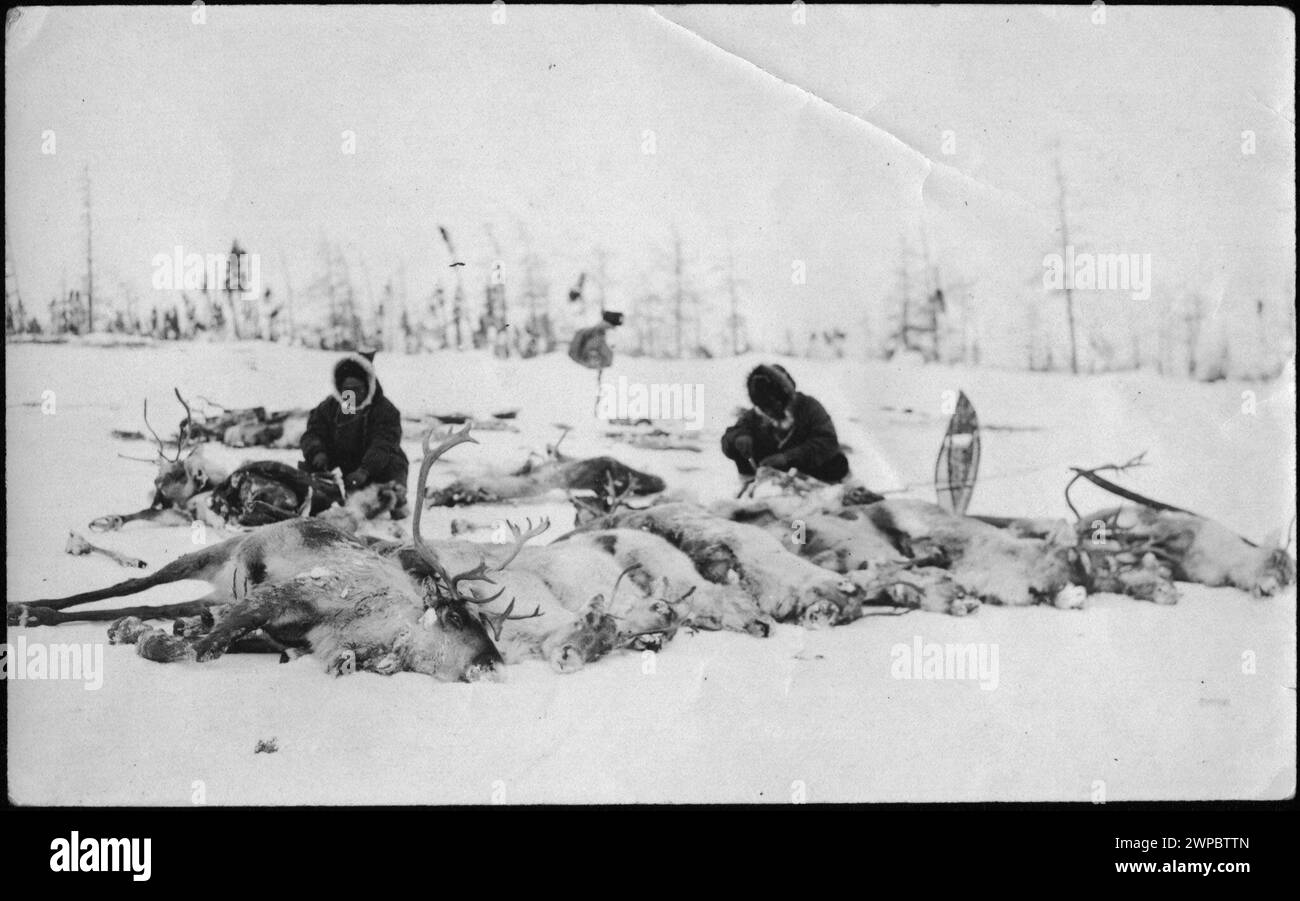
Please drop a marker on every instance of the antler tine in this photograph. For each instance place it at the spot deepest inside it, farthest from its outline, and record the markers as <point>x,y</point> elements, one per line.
<point>452,439</point>
<point>182,439</point>
<point>497,621</point>
<point>422,548</point>
<point>633,483</point>
<point>619,581</point>
<point>522,537</point>
<point>161,448</point>
<point>553,450</point>
<point>591,506</point>
<point>685,597</point>
<point>613,497</point>
<point>477,574</point>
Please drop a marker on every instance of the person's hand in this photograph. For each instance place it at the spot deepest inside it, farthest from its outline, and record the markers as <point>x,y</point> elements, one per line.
<point>776,461</point>
<point>356,480</point>
<point>320,462</point>
<point>744,446</point>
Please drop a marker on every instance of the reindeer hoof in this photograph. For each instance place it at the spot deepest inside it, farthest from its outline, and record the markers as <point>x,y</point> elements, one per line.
<point>106,524</point>
<point>343,664</point>
<point>385,665</point>
<point>157,645</point>
<point>567,659</point>
<point>759,628</point>
<point>127,630</point>
<point>652,642</point>
<point>819,615</point>
<point>184,626</point>
<point>23,615</point>
<point>1265,587</point>
<point>1071,597</point>
<point>904,594</point>
<point>964,605</point>
<point>209,647</point>
<point>1166,593</point>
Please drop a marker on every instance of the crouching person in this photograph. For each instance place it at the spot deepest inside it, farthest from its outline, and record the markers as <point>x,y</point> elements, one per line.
<point>359,431</point>
<point>785,430</point>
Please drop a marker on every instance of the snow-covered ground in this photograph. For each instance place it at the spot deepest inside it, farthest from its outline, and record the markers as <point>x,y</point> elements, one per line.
<point>1122,700</point>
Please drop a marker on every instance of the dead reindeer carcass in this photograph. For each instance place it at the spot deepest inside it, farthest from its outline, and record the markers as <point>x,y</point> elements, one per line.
<point>784,586</point>
<point>1191,547</point>
<point>949,560</point>
<point>180,485</point>
<point>188,488</point>
<point>540,475</point>
<point>655,565</point>
<point>574,620</point>
<point>377,606</point>
<point>251,427</point>
<point>912,554</point>
<point>267,491</point>
<point>305,583</point>
<point>1141,551</point>
<point>845,540</point>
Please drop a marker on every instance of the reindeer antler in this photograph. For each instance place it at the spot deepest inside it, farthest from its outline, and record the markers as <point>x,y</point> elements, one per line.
<point>553,450</point>
<point>184,437</point>
<point>450,440</point>
<point>493,621</point>
<point>477,574</point>
<point>617,582</point>
<point>181,438</point>
<point>612,497</point>
<point>521,538</point>
<point>162,451</point>
<point>497,621</point>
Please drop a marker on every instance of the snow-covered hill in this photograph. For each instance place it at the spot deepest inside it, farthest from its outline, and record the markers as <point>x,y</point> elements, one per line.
<point>1151,701</point>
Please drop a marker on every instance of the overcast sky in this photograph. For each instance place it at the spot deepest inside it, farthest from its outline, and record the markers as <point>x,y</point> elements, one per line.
<point>820,142</point>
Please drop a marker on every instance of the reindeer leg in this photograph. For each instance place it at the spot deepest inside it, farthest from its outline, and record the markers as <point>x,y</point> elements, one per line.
<point>243,618</point>
<point>167,516</point>
<point>201,565</point>
<point>260,643</point>
<point>80,547</point>
<point>195,627</point>
<point>49,616</point>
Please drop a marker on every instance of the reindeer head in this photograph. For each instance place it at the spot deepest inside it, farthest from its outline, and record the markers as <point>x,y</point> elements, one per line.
<point>605,500</point>
<point>1273,570</point>
<point>184,475</point>
<point>593,636</point>
<point>455,630</point>
<point>451,644</point>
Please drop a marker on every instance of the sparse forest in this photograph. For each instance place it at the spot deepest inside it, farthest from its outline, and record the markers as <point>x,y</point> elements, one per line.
<point>685,303</point>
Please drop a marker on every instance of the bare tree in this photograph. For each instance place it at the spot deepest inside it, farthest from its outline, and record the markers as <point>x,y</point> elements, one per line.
<point>735,321</point>
<point>1065,244</point>
<point>679,293</point>
<point>292,325</point>
<point>1193,319</point>
<point>15,316</point>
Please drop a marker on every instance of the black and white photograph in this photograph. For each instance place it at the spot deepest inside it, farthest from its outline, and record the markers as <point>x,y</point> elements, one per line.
<point>516,405</point>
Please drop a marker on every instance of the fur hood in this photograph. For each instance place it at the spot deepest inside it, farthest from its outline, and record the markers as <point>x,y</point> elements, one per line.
<point>770,385</point>
<point>358,364</point>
